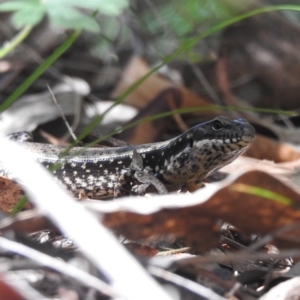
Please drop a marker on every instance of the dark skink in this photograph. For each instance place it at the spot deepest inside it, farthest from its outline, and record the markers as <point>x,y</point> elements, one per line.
<point>193,155</point>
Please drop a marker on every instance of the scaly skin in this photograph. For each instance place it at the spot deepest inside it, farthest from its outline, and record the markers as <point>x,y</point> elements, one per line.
<point>192,156</point>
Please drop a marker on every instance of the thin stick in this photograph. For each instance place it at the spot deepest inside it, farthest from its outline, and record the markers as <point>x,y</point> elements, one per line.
<point>62,115</point>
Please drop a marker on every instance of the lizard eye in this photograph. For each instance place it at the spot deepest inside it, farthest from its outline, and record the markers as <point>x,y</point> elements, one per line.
<point>217,125</point>
<point>191,142</point>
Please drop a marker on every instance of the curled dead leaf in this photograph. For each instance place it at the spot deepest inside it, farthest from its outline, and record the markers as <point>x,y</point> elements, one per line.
<point>197,218</point>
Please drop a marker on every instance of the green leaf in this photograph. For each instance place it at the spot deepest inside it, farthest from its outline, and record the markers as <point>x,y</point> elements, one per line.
<point>184,19</point>
<point>62,13</point>
<point>18,5</point>
<point>27,13</point>
<point>28,16</point>
<point>71,18</point>
<point>109,7</point>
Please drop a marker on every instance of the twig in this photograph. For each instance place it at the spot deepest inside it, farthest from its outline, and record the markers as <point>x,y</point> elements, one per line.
<point>62,114</point>
<point>113,260</point>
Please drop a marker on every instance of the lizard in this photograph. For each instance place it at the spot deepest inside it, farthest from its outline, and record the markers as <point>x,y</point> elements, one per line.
<point>109,172</point>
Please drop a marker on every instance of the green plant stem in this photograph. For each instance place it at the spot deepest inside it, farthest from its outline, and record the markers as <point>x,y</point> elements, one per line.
<point>261,192</point>
<point>187,45</point>
<point>192,42</point>
<point>17,40</point>
<point>40,70</point>
<point>181,111</point>
<point>18,206</point>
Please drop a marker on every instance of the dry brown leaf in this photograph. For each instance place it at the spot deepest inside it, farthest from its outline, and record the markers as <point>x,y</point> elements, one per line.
<point>141,250</point>
<point>223,82</point>
<point>136,135</point>
<point>27,221</point>
<point>151,87</point>
<point>154,96</point>
<point>197,217</point>
<point>155,128</point>
<point>9,292</point>
<point>10,193</point>
<point>266,148</point>
<point>198,221</point>
<point>288,172</point>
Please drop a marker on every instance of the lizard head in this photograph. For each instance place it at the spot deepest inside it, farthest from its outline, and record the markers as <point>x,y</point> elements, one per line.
<point>206,148</point>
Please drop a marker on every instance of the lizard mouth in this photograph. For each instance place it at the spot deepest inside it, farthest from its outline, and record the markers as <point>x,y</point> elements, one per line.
<point>248,135</point>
